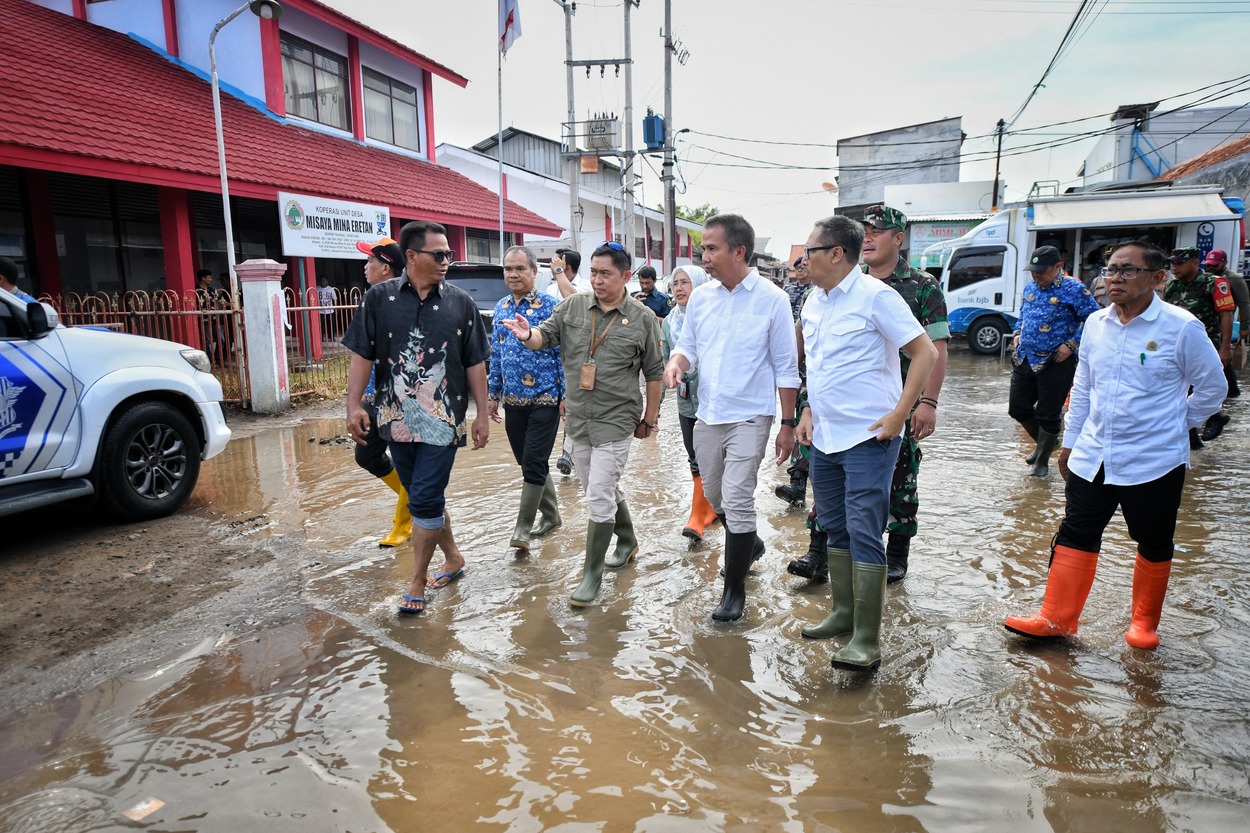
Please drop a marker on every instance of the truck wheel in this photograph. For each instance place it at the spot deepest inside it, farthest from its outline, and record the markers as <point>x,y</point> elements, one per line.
<point>985,337</point>
<point>149,462</point>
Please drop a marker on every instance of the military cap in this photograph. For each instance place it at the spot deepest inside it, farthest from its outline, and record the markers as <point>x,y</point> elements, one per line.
<point>1043,258</point>
<point>1183,254</point>
<point>882,216</point>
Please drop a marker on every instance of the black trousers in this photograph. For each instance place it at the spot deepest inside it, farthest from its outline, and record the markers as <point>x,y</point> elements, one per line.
<point>687,437</point>
<point>1234,390</point>
<point>372,456</point>
<point>1149,511</point>
<point>532,434</point>
<point>1040,394</point>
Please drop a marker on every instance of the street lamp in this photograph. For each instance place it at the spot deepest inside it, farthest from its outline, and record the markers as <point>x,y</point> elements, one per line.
<point>265,10</point>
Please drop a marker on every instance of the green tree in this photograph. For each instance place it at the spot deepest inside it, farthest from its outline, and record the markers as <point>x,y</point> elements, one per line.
<point>695,215</point>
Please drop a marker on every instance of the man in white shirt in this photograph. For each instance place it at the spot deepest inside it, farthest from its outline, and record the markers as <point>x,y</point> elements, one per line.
<point>1126,443</point>
<point>857,405</point>
<point>739,334</point>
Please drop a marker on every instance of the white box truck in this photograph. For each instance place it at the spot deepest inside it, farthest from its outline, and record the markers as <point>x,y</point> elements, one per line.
<point>982,273</point>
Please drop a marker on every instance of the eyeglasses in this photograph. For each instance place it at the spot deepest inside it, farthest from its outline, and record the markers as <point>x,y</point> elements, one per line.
<point>807,250</point>
<point>1126,272</point>
<point>439,255</point>
<point>612,244</point>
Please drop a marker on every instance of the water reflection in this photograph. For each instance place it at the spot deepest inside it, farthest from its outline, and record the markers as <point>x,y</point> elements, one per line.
<point>504,709</point>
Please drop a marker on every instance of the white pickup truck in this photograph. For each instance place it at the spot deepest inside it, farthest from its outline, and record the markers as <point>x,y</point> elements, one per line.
<point>86,412</point>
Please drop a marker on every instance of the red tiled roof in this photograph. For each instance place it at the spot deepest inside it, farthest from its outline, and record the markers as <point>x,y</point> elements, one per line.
<point>1215,156</point>
<point>102,104</point>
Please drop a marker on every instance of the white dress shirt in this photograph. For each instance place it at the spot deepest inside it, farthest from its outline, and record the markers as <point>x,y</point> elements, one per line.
<point>1131,409</point>
<point>743,345</point>
<point>580,284</point>
<point>851,337</point>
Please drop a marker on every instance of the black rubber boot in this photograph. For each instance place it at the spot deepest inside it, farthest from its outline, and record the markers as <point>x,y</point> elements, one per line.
<point>795,492</point>
<point>1215,426</point>
<point>1046,443</point>
<point>757,550</point>
<point>1195,442</point>
<point>739,547</point>
<point>814,565</point>
<point>897,548</point>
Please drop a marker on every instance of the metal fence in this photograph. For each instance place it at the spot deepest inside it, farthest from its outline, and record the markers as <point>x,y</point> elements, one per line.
<point>316,359</point>
<point>315,355</point>
<point>204,320</point>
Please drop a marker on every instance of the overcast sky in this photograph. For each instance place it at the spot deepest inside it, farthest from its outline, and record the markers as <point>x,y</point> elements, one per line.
<point>819,70</point>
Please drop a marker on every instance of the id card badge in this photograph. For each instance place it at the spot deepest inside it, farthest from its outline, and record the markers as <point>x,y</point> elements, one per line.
<point>588,376</point>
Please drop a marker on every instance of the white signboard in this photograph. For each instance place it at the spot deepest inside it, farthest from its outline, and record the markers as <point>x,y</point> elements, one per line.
<point>319,227</point>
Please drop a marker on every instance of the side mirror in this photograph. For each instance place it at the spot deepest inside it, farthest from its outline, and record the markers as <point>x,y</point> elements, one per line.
<point>37,320</point>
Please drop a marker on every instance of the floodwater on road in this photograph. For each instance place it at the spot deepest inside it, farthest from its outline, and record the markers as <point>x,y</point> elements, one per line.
<point>504,709</point>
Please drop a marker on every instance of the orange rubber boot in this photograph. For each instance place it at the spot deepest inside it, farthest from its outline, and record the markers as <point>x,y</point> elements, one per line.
<point>700,511</point>
<point>1150,584</point>
<point>1067,588</point>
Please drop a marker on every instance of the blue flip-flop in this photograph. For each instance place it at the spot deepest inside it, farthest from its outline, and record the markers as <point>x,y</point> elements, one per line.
<point>412,611</point>
<point>450,577</point>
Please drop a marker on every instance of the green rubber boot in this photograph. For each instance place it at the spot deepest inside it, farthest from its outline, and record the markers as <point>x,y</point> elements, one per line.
<point>626,540</point>
<point>598,537</point>
<point>549,511</point>
<point>863,652</point>
<point>531,494</point>
<point>840,622</point>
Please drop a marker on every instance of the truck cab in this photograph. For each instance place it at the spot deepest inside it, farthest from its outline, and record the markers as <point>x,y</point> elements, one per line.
<point>982,278</point>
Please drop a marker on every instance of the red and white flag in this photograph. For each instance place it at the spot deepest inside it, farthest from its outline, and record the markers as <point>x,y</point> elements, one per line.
<point>509,24</point>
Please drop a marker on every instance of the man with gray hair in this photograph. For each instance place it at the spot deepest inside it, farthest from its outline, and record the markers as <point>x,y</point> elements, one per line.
<point>852,328</point>
<point>739,334</point>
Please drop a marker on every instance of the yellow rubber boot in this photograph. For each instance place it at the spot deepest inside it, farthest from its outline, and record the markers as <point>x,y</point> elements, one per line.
<point>401,527</point>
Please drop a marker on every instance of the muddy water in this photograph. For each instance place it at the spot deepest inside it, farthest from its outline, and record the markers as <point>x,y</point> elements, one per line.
<point>503,709</point>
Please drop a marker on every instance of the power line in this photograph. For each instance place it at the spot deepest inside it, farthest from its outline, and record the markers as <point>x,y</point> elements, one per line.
<point>1054,60</point>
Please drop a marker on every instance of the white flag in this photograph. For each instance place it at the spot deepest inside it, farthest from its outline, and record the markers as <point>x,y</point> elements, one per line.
<point>509,24</point>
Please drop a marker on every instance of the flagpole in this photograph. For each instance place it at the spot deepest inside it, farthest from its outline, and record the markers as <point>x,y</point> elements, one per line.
<point>499,151</point>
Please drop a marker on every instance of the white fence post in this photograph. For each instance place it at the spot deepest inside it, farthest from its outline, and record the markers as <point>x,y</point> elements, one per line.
<point>264,316</point>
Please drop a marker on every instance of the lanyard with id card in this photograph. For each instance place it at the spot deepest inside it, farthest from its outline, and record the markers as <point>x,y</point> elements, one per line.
<point>587,381</point>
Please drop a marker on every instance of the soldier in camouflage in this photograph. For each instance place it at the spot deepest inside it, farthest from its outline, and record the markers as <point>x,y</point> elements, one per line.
<point>1210,299</point>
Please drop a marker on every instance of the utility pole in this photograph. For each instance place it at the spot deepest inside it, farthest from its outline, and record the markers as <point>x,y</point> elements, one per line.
<point>997,158</point>
<point>670,194</point>
<point>627,164</point>
<point>573,162</point>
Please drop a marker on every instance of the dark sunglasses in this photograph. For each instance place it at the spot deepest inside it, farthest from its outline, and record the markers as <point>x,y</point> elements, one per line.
<point>440,255</point>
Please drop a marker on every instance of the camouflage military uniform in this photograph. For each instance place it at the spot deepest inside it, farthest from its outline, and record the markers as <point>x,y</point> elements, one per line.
<point>924,296</point>
<point>1206,296</point>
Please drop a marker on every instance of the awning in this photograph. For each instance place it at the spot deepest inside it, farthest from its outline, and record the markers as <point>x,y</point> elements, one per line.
<point>1135,210</point>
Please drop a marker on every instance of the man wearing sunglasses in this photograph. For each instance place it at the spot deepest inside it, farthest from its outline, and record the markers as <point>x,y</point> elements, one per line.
<point>1210,299</point>
<point>857,406</point>
<point>739,334</point>
<point>606,338</point>
<point>428,347</point>
<point>1125,443</point>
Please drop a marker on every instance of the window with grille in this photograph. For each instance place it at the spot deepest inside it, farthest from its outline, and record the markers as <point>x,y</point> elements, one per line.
<point>391,111</point>
<point>315,83</point>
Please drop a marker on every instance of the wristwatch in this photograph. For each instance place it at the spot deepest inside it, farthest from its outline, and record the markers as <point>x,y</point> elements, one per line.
<point>790,423</point>
<point>558,271</point>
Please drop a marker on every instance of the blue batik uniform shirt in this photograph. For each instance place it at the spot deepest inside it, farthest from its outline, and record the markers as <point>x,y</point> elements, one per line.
<point>521,377</point>
<point>1052,316</point>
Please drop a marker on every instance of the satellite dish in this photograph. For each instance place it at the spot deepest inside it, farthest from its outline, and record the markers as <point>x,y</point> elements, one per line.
<point>831,187</point>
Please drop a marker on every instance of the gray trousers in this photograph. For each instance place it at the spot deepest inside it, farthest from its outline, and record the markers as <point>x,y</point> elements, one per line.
<point>600,467</point>
<point>729,460</point>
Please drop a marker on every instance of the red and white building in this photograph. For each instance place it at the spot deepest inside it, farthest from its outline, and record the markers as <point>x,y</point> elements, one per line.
<point>109,179</point>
